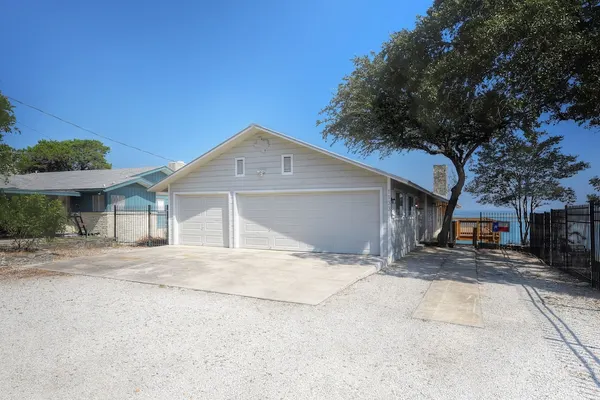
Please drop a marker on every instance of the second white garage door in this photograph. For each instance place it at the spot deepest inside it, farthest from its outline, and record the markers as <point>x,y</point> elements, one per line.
<point>202,220</point>
<point>333,222</point>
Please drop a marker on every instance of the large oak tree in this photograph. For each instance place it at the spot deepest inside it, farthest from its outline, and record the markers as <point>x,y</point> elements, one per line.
<point>412,95</point>
<point>542,51</point>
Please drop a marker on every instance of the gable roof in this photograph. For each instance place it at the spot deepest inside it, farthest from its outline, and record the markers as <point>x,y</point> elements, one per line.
<point>105,179</point>
<point>254,128</point>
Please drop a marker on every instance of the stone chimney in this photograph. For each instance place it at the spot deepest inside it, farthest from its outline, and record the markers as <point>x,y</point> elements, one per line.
<point>175,165</point>
<point>440,180</point>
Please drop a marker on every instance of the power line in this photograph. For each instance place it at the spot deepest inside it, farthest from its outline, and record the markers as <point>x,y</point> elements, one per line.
<point>87,130</point>
<point>33,129</point>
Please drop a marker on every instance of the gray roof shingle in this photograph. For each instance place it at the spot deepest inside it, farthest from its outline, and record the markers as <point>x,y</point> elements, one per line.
<point>72,180</point>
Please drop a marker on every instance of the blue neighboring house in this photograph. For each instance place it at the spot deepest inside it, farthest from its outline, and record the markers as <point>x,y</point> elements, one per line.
<point>94,190</point>
<point>91,196</point>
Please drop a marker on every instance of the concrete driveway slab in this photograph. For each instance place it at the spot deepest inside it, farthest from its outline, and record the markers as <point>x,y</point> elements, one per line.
<point>307,278</point>
<point>454,296</point>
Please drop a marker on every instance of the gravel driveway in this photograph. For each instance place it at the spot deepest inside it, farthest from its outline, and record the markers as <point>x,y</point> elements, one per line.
<point>73,337</point>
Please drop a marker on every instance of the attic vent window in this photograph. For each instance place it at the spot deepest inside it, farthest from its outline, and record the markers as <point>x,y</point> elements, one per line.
<point>287,164</point>
<point>240,166</point>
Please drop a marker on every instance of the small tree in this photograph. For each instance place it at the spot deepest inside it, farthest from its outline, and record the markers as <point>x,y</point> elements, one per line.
<point>595,182</point>
<point>523,172</point>
<point>29,218</point>
<point>7,125</point>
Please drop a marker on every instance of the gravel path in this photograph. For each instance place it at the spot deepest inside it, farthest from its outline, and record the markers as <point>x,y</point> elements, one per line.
<point>568,313</point>
<point>73,337</point>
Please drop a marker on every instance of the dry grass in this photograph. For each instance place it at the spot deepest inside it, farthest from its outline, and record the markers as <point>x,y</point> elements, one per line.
<point>12,258</point>
<point>7,273</point>
<point>65,253</point>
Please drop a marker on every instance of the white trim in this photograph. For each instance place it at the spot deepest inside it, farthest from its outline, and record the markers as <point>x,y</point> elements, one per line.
<point>254,128</point>
<point>175,221</point>
<point>388,205</point>
<point>230,220</point>
<point>235,231</point>
<point>170,215</point>
<point>291,156</point>
<point>382,223</point>
<point>208,193</point>
<point>358,189</point>
<point>243,159</point>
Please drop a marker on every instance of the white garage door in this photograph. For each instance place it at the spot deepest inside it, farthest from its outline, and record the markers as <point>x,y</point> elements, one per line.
<point>202,220</point>
<point>335,222</point>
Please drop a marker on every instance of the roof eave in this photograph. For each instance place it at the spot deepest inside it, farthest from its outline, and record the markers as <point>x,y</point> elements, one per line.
<point>164,169</point>
<point>139,181</point>
<point>44,192</point>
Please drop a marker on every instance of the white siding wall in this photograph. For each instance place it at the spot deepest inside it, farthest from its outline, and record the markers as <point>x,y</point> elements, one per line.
<point>311,170</point>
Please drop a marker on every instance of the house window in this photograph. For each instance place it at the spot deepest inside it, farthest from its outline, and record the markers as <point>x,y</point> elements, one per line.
<point>160,204</point>
<point>287,164</point>
<point>411,205</point>
<point>98,202</point>
<point>240,166</point>
<point>117,200</point>
<point>399,205</point>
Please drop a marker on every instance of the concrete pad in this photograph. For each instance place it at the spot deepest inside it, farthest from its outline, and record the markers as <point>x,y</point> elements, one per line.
<point>454,296</point>
<point>307,278</point>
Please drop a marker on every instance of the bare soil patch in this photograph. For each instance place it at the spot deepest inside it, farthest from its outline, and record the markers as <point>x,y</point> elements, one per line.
<point>7,273</point>
<point>58,249</point>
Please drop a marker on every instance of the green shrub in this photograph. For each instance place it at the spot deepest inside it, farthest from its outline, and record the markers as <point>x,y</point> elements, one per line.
<point>28,218</point>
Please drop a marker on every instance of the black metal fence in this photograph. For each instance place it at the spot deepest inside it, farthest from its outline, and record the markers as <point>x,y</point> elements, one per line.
<point>569,239</point>
<point>502,228</point>
<point>141,226</point>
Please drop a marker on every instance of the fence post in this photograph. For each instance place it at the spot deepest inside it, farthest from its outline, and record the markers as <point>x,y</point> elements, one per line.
<point>115,221</point>
<point>595,267</point>
<point>149,223</point>
<point>566,253</point>
<point>479,238</point>
<point>550,238</point>
<point>167,221</point>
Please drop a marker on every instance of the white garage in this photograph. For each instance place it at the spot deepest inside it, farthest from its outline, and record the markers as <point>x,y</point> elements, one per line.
<point>202,220</point>
<point>261,189</point>
<point>334,222</point>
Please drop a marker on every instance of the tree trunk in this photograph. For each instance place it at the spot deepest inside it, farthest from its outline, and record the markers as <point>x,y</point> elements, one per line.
<point>455,193</point>
<point>520,219</point>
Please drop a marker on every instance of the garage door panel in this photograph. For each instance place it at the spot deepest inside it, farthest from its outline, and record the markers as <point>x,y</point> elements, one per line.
<point>326,222</point>
<point>255,227</point>
<point>191,240</point>
<point>214,227</point>
<point>190,224</point>
<point>213,240</point>
<point>256,242</point>
<point>202,220</point>
<point>288,243</point>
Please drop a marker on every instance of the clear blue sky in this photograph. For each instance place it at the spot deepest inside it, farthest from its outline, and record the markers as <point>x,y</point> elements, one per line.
<point>177,78</point>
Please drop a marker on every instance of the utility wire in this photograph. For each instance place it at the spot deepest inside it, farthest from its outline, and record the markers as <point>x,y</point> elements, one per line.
<point>33,129</point>
<point>87,130</point>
